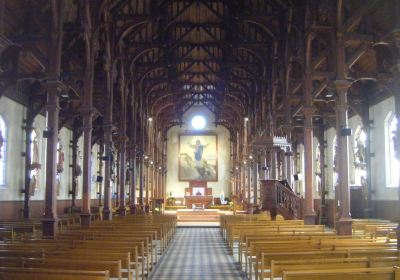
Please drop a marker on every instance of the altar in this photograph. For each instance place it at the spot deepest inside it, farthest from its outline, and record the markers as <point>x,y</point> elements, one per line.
<point>198,195</point>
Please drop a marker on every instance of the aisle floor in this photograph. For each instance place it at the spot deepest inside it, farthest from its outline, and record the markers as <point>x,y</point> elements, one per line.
<point>197,254</point>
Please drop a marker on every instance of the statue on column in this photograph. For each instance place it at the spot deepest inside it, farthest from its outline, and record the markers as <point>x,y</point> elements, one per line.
<point>60,165</point>
<point>318,171</point>
<point>1,144</point>
<point>335,164</point>
<point>396,141</point>
<point>78,172</point>
<point>35,164</point>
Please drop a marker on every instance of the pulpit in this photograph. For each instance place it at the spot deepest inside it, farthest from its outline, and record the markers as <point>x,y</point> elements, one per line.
<point>198,195</point>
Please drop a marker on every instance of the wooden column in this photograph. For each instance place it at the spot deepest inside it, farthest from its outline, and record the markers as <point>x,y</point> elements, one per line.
<point>321,140</point>
<point>122,175</point>
<point>122,143</point>
<point>243,181</point>
<point>284,163</point>
<point>310,216</point>
<point>147,185</point>
<point>342,85</point>
<point>273,173</point>
<point>87,166</point>
<point>141,180</point>
<point>28,161</point>
<point>367,129</point>
<point>74,147</point>
<point>107,213</point>
<point>164,170</point>
<point>345,222</point>
<point>107,128</point>
<point>248,182</point>
<point>133,151</point>
<point>396,37</point>
<point>87,114</point>
<point>116,182</point>
<point>132,181</point>
<point>53,109</point>
<point>100,173</point>
<point>255,166</point>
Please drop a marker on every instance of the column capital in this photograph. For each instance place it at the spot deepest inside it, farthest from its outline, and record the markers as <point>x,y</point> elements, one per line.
<point>88,110</point>
<point>108,126</point>
<point>342,84</point>
<point>52,106</point>
<point>396,34</point>
<point>123,138</point>
<point>287,126</point>
<point>308,111</point>
<point>55,86</point>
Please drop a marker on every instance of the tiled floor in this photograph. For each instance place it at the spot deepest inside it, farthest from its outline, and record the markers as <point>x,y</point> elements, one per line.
<point>197,254</point>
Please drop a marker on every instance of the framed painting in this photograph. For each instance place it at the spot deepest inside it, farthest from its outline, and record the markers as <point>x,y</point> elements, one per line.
<point>198,157</point>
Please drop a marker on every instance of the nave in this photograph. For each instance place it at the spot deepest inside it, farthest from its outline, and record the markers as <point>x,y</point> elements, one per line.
<point>197,253</point>
<point>283,114</point>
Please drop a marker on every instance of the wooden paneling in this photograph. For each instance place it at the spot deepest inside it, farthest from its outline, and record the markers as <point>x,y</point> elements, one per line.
<point>386,209</point>
<point>12,210</point>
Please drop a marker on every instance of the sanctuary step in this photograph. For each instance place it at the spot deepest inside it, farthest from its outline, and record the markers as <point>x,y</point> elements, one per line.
<point>204,216</point>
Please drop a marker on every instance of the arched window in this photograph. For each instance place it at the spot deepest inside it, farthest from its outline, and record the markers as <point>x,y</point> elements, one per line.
<point>3,150</point>
<point>359,152</point>
<point>392,163</point>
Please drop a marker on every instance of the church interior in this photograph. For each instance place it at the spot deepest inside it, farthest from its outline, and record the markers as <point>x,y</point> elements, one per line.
<point>199,139</point>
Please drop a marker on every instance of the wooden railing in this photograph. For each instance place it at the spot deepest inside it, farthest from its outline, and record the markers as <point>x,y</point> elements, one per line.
<point>280,199</point>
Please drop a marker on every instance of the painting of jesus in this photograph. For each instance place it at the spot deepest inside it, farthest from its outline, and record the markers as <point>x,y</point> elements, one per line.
<point>198,157</point>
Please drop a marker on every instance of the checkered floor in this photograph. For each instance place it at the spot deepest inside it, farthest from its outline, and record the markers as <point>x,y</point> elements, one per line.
<point>197,254</point>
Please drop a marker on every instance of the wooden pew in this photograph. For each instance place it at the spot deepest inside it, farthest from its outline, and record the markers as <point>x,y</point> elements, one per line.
<point>130,269</point>
<point>46,247</point>
<point>51,274</point>
<point>268,257</point>
<point>255,254</point>
<point>114,267</point>
<point>277,267</point>
<point>256,242</point>
<point>381,273</point>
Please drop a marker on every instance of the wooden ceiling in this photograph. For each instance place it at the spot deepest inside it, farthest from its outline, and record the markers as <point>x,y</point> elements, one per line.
<point>238,58</point>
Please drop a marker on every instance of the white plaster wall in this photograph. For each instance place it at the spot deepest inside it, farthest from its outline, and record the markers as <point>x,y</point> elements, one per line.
<point>378,114</point>
<point>379,163</point>
<point>176,187</point>
<point>315,188</point>
<point>329,149</point>
<point>299,185</point>
<point>14,113</point>
<point>330,135</point>
<point>94,169</point>
<point>354,123</point>
<point>39,125</point>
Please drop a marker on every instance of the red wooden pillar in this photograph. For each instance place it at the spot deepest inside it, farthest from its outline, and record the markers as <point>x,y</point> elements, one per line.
<point>87,114</point>
<point>344,225</point>
<point>107,213</point>
<point>53,109</point>
<point>310,216</point>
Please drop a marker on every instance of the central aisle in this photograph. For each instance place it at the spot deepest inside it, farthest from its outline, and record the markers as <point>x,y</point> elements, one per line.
<point>197,254</point>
